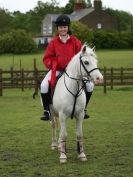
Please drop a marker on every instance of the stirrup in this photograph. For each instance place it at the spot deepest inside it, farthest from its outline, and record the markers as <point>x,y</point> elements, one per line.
<point>46,116</point>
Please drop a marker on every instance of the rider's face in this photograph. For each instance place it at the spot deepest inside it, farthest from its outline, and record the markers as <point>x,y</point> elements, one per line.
<point>62,30</point>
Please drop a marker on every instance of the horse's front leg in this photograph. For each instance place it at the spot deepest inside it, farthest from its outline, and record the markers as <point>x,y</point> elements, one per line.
<point>79,132</point>
<point>62,138</point>
<point>54,138</point>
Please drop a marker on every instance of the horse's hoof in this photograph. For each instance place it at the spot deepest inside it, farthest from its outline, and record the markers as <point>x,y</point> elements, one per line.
<point>82,157</point>
<point>53,147</point>
<point>63,160</point>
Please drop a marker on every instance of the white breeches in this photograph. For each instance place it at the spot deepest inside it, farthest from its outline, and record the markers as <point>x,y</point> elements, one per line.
<point>45,83</point>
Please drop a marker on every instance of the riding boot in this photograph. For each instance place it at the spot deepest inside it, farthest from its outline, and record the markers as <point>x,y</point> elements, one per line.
<point>88,96</point>
<point>45,102</point>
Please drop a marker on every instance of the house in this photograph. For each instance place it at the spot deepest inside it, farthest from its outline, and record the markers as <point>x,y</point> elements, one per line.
<point>94,17</point>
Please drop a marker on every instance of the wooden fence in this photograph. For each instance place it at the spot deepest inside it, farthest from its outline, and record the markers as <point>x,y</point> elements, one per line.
<point>117,77</point>
<point>23,79</point>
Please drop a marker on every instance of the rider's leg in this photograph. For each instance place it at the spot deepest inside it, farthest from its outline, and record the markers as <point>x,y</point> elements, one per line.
<point>46,96</point>
<point>89,90</point>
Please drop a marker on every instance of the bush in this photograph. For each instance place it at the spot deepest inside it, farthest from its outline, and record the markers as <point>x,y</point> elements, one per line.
<point>112,40</point>
<point>17,41</point>
<point>82,32</point>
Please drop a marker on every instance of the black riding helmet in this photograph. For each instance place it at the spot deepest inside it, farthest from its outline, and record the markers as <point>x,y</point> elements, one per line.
<point>62,20</point>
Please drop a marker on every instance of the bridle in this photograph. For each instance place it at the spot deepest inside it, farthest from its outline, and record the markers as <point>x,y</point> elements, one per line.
<point>80,89</point>
<point>82,64</point>
<point>88,72</point>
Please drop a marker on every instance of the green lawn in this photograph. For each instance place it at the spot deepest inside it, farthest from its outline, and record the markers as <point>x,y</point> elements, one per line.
<point>115,58</point>
<point>108,58</point>
<point>108,134</point>
<point>27,61</point>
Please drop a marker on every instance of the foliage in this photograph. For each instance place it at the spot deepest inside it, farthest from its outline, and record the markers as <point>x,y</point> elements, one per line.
<point>82,32</point>
<point>112,39</point>
<point>70,5</point>
<point>124,19</point>
<point>102,39</point>
<point>31,23</point>
<point>5,21</point>
<point>17,41</point>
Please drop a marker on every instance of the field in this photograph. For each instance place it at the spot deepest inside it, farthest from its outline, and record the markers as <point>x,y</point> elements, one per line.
<point>25,139</point>
<point>108,58</point>
<point>108,134</point>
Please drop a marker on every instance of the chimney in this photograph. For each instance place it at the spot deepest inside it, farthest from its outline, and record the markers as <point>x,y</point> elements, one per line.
<point>79,4</point>
<point>97,4</point>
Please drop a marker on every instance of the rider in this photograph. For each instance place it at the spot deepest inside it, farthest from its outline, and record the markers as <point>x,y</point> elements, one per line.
<point>59,52</point>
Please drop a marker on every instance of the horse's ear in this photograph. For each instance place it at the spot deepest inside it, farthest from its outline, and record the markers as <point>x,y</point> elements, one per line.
<point>84,49</point>
<point>94,49</point>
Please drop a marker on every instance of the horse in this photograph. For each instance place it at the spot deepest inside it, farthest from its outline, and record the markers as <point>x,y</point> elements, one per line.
<point>69,99</point>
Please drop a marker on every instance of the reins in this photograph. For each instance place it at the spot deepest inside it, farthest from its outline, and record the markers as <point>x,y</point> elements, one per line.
<point>80,90</point>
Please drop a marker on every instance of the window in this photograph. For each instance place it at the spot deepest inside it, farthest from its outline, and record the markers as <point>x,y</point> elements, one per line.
<point>99,26</point>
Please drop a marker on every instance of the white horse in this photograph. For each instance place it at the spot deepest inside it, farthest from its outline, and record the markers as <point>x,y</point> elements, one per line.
<point>69,99</point>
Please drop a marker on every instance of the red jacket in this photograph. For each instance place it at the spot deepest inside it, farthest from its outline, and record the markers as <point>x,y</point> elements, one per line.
<point>58,54</point>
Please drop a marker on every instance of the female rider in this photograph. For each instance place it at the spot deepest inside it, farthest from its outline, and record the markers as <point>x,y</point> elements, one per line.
<point>59,52</point>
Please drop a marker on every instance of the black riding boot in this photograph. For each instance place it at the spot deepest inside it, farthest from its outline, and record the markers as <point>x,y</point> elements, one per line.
<point>88,96</point>
<point>45,102</point>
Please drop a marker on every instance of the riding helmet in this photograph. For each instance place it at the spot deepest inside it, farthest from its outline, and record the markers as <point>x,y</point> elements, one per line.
<point>62,20</point>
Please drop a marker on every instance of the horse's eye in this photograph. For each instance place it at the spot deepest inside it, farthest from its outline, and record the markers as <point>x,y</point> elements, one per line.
<point>86,63</point>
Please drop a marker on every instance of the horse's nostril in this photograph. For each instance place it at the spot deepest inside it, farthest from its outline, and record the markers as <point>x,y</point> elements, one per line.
<point>98,78</point>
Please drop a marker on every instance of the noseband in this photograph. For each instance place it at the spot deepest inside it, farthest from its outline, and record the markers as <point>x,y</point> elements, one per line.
<point>82,64</point>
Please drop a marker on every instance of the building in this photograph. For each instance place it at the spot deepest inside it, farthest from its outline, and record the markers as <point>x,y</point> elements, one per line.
<point>94,17</point>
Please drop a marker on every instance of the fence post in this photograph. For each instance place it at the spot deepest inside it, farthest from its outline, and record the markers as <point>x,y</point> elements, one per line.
<point>12,77</point>
<point>35,64</point>
<point>112,81</point>
<point>105,80</point>
<point>122,72</point>
<point>1,85</point>
<point>20,64</point>
<point>22,79</point>
<point>36,80</point>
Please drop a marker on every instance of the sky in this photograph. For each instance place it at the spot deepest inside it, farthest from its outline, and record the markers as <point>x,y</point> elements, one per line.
<point>26,5</point>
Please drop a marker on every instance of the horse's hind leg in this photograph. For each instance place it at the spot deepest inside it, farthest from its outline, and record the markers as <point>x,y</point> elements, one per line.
<point>79,132</point>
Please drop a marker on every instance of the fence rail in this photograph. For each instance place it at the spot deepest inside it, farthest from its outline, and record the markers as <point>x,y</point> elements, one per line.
<point>30,78</point>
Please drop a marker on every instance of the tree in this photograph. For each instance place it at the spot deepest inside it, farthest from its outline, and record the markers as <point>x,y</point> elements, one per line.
<point>123,19</point>
<point>82,32</point>
<point>5,21</point>
<point>69,7</point>
<point>17,41</point>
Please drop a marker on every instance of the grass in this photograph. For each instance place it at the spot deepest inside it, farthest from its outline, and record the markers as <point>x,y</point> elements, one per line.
<point>27,61</point>
<point>108,58</point>
<point>25,140</point>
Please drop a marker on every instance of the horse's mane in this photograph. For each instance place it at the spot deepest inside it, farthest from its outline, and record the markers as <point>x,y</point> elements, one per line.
<point>76,57</point>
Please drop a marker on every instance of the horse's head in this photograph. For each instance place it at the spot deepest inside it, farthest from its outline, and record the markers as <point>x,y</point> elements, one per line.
<point>88,64</point>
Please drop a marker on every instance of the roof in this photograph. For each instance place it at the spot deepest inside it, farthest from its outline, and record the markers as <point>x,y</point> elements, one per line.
<point>74,16</point>
<point>78,14</point>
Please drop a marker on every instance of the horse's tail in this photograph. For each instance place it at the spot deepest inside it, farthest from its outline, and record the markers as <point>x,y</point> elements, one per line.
<point>39,86</point>
<point>34,95</point>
